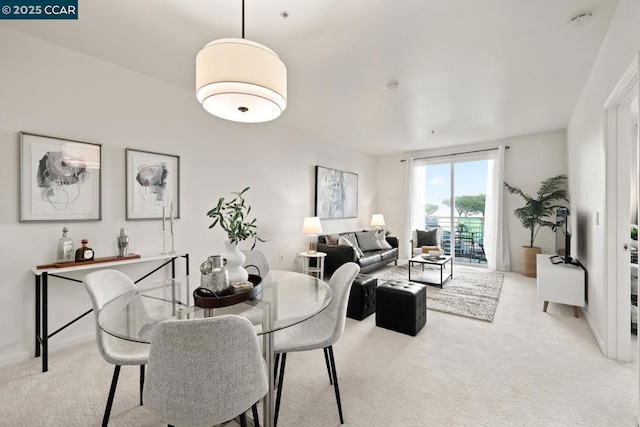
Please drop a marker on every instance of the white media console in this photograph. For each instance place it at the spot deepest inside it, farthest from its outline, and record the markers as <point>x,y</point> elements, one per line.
<point>560,283</point>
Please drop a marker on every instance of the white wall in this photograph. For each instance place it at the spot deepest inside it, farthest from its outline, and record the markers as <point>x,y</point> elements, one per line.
<point>54,91</point>
<point>585,143</point>
<point>531,159</point>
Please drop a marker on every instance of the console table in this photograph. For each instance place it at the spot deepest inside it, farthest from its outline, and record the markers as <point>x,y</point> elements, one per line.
<point>42,275</point>
<point>561,283</point>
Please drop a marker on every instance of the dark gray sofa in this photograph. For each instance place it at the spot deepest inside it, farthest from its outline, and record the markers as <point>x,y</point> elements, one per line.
<point>370,261</point>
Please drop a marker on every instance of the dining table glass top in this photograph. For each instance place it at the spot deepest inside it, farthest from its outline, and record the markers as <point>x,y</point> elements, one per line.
<point>287,298</point>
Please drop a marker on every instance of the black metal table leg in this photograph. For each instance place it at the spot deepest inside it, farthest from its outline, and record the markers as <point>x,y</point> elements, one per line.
<point>37,313</point>
<point>45,326</point>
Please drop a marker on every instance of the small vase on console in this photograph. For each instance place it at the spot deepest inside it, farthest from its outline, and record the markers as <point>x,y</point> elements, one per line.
<point>235,260</point>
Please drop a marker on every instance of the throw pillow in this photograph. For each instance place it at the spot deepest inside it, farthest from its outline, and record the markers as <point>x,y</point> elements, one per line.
<point>352,238</point>
<point>346,242</point>
<point>331,239</point>
<point>428,237</point>
<point>382,239</point>
<point>367,240</point>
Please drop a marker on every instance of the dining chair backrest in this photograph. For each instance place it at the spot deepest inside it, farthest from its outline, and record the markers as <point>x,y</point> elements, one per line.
<point>106,285</point>
<point>340,284</point>
<point>257,259</point>
<point>103,287</point>
<point>204,371</point>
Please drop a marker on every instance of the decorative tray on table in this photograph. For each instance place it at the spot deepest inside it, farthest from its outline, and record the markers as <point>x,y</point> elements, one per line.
<point>206,299</point>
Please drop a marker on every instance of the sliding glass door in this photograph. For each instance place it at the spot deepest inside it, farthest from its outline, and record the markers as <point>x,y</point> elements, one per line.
<point>451,195</point>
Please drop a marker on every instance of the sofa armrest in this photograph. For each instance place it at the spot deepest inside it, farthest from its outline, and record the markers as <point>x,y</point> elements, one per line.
<point>336,256</point>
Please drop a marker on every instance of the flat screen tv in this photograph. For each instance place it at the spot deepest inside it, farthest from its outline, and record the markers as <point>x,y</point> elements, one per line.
<point>563,235</point>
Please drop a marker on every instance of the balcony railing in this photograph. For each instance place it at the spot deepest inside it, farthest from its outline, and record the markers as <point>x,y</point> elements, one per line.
<point>468,236</point>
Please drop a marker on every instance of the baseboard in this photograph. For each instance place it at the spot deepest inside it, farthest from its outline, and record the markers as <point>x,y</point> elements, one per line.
<point>53,346</point>
<point>15,358</point>
<point>599,340</point>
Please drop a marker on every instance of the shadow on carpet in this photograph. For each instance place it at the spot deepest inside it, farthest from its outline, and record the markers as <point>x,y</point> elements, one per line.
<point>472,292</point>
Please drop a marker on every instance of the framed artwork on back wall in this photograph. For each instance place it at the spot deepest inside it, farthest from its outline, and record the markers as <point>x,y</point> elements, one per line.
<point>60,179</point>
<point>336,194</point>
<point>153,185</point>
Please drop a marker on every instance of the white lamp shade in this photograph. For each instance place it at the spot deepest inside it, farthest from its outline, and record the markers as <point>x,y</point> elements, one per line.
<point>377,220</point>
<point>241,81</point>
<point>311,225</point>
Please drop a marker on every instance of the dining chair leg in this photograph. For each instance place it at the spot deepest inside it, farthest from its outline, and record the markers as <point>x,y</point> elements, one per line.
<point>112,392</point>
<point>335,382</point>
<point>243,419</point>
<point>279,392</point>
<point>256,417</point>
<point>141,382</point>
<point>275,367</point>
<point>326,360</point>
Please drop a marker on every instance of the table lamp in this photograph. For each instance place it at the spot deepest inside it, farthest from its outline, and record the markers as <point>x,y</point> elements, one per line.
<point>312,227</point>
<point>377,221</point>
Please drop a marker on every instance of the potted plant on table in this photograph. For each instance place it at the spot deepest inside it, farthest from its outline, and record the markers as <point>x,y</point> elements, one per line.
<point>533,215</point>
<point>233,217</point>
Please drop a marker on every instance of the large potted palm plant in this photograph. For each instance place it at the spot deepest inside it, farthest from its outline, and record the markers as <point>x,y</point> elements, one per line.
<point>536,214</point>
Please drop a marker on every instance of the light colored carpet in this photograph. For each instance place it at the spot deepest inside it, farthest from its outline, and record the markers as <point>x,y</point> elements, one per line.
<point>472,292</point>
<point>527,368</point>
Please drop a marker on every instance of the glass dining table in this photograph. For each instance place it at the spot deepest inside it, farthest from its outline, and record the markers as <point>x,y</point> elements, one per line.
<point>287,298</point>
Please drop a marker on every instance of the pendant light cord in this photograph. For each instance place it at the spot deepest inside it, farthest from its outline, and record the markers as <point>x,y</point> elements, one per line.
<point>243,19</point>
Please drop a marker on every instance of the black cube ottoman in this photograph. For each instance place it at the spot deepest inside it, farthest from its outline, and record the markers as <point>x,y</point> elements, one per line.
<point>362,299</point>
<point>401,306</point>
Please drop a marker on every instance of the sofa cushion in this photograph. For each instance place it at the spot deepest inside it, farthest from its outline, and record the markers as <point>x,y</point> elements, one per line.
<point>427,237</point>
<point>346,242</point>
<point>382,239</point>
<point>369,259</point>
<point>368,241</point>
<point>354,241</point>
<point>331,239</point>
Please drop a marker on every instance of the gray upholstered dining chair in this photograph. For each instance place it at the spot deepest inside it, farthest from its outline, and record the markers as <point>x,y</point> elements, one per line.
<point>205,371</point>
<point>320,332</point>
<point>257,259</point>
<point>104,286</point>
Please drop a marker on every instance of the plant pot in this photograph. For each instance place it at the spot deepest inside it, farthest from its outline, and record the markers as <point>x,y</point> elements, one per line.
<point>235,260</point>
<point>529,254</point>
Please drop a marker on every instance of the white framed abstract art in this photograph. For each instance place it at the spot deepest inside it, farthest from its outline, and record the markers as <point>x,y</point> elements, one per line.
<point>153,185</point>
<point>60,179</point>
<point>336,193</point>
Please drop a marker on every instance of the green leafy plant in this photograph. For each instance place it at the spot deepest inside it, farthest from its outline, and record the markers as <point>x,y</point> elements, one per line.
<point>532,215</point>
<point>233,217</point>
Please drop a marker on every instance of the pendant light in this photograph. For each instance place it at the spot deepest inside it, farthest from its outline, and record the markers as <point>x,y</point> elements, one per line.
<point>241,80</point>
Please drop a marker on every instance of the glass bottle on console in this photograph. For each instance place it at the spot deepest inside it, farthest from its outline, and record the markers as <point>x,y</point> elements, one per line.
<point>84,253</point>
<point>65,247</point>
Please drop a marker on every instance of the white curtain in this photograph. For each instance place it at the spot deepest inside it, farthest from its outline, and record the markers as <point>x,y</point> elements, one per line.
<point>496,236</point>
<point>415,183</point>
<point>409,203</point>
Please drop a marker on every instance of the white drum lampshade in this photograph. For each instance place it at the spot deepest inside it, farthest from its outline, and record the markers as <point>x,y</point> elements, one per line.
<point>377,221</point>
<point>241,81</point>
<point>312,227</point>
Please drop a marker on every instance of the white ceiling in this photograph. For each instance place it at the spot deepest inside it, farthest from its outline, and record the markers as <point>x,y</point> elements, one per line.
<point>472,70</point>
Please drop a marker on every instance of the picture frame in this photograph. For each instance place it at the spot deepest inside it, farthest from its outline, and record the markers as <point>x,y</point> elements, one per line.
<point>60,179</point>
<point>152,184</point>
<point>336,194</point>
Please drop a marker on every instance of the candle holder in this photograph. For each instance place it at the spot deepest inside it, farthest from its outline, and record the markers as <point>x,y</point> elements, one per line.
<point>173,251</point>
<point>164,244</point>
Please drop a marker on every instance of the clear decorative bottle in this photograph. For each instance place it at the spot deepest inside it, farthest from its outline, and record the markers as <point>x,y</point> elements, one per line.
<point>65,247</point>
<point>84,253</point>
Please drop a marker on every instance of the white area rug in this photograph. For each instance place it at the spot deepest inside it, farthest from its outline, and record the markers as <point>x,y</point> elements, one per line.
<point>472,292</point>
